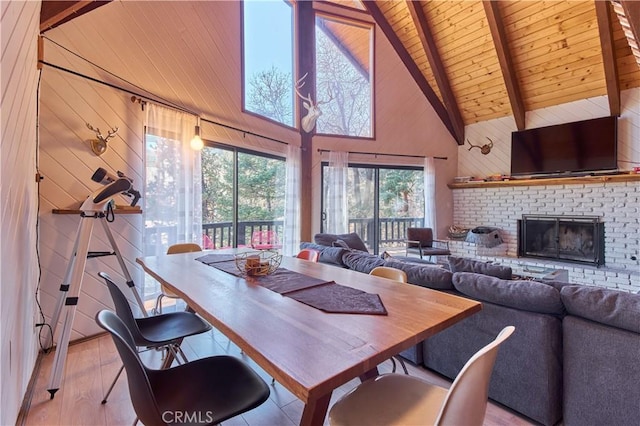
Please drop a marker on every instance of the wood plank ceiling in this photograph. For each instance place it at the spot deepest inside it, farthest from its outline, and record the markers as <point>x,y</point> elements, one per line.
<point>490,59</point>
<point>478,60</point>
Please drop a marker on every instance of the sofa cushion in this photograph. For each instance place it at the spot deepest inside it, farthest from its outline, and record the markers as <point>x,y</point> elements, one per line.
<point>352,240</point>
<point>330,255</point>
<point>609,307</point>
<point>424,275</point>
<point>558,285</point>
<point>361,262</point>
<point>529,296</point>
<point>460,264</point>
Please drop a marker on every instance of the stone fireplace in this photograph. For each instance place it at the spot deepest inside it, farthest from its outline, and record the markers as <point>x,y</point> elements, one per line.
<point>564,238</point>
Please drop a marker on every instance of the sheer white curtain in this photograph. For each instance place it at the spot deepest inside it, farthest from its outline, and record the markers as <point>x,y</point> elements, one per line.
<point>173,182</point>
<point>336,202</point>
<point>291,243</point>
<point>430,194</point>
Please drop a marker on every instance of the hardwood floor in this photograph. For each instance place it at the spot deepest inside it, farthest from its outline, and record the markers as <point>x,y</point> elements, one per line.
<point>92,364</point>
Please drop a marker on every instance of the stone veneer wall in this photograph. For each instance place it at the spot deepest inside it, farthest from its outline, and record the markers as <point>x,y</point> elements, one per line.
<point>617,203</point>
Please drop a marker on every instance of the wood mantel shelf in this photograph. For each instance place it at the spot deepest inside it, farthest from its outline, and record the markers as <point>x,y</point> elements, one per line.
<point>627,177</point>
<point>116,211</point>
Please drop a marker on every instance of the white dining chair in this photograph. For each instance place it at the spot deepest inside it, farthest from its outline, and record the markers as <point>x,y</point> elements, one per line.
<point>396,399</point>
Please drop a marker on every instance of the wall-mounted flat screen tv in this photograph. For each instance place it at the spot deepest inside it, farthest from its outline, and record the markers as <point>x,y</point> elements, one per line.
<point>570,148</point>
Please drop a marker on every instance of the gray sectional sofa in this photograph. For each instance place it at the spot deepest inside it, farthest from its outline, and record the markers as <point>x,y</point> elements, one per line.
<point>601,352</point>
<point>575,355</point>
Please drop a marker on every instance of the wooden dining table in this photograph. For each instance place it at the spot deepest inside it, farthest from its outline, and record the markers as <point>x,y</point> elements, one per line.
<point>307,350</point>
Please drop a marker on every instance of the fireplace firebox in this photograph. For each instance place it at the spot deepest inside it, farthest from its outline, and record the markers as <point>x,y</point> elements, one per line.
<point>567,238</point>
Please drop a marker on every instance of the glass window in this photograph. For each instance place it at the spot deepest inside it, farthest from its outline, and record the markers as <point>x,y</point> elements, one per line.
<point>268,59</point>
<point>382,203</point>
<point>242,195</point>
<point>344,77</point>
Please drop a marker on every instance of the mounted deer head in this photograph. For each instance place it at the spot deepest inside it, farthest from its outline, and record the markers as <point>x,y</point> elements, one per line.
<point>484,149</point>
<point>99,146</point>
<point>313,110</point>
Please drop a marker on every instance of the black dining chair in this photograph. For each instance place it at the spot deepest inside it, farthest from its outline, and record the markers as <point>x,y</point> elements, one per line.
<point>205,391</point>
<point>158,331</point>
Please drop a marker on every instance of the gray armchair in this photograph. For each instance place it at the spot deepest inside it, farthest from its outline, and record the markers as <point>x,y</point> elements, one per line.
<point>420,241</point>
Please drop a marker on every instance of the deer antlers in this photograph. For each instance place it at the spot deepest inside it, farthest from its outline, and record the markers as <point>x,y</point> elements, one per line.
<point>99,146</point>
<point>298,86</point>
<point>309,120</point>
<point>484,149</point>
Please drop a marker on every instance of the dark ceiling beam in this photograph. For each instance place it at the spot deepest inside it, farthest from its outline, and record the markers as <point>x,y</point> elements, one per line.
<point>54,13</point>
<point>605,28</point>
<point>439,73</point>
<point>411,66</point>
<point>496,26</point>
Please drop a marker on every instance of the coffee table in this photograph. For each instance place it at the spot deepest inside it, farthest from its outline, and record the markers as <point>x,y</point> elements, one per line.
<point>541,273</point>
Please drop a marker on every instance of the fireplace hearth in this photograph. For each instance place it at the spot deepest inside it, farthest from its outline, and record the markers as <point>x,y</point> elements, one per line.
<point>566,238</point>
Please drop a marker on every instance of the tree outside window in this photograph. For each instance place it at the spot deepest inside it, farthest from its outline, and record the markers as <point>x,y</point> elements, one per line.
<point>268,59</point>
<point>343,76</point>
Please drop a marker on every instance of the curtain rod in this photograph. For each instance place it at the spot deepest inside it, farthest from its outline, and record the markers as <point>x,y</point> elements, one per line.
<point>379,153</point>
<point>245,132</point>
<point>137,97</point>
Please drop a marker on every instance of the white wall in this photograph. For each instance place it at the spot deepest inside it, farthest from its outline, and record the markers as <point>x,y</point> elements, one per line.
<point>473,163</point>
<point>18,203</point>
<point>67,162</point>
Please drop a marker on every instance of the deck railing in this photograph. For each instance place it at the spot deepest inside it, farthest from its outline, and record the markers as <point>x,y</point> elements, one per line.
<point>392,231</point>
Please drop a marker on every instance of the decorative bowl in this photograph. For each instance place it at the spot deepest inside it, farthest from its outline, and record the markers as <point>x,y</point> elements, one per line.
<point>258,263</point>
<point>457,232</point>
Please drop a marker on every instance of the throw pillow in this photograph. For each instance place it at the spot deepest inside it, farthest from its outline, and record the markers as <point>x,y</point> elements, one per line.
<point>353,240</point>
<point>361,262</point>
<point>330,255</point>
<point>558,285</point>
<point>340,243</point>
<point>610,307</point>
<point>460,264</point>
<point>529,296</point>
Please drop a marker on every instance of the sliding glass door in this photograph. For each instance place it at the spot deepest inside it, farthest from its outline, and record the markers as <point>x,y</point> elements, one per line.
<point>382,202</point>
<point>242,197</point>
<point>401,205</point>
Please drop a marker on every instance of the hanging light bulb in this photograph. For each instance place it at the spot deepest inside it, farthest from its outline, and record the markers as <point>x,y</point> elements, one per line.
<point>196,142</point>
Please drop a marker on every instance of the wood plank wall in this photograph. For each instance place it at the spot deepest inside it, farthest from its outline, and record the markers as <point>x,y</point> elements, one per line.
<point>19,203</point>
<point>473,163</point>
